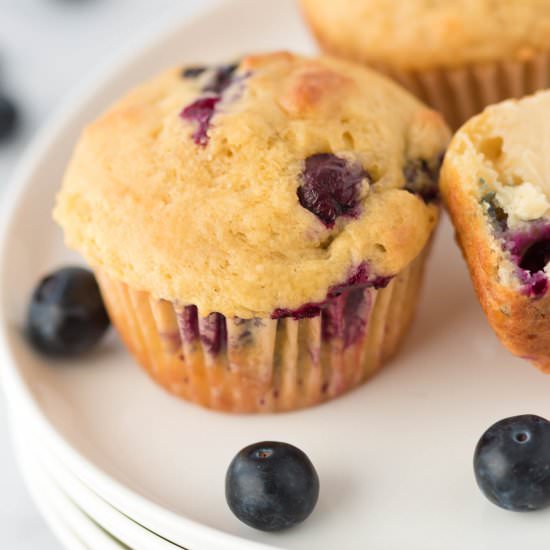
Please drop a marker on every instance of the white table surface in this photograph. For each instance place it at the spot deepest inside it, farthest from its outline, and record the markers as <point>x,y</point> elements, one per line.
<point>46,46</point>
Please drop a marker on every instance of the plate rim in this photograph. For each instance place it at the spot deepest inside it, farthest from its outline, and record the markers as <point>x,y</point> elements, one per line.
<point>52,467</point>
<point>41,495</point>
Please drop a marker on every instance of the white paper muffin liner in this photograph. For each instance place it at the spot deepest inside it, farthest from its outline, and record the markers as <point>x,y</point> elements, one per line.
<point>265,365</point>
<point>464,92</point>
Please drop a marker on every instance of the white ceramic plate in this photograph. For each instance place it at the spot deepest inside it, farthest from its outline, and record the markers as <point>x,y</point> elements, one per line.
<point>394,457</point>
<point>33,452</point>
<point>73,528</point>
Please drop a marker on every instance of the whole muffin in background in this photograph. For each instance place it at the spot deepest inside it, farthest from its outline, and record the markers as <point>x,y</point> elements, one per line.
<point>457,55</point>
<point>258,229</point>
<point>496,185</point>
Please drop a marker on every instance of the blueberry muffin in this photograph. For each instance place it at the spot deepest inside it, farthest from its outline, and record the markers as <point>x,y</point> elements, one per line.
<point>456,55</point>
<point>496,185</point>
<point>258,229</point>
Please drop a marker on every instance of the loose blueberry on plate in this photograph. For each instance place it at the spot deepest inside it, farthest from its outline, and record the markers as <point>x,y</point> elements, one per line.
<point>512,463</point>
<point>8,118</point>
<point>271,486</point>
<point>66,315</point>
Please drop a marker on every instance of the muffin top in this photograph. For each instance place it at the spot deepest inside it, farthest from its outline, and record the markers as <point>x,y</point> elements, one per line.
<point>255,188</point>
<point>500,159</point>
<point>423,34</point>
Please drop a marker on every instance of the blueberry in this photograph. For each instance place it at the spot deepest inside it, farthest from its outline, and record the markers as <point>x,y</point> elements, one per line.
<point>271,486</point>
<point>529,248</point>
<point>202,109</point>
<point>201,112</point>
<point>330,187</point>
<point>193,72</point>
<point>535,285</point>
<point>222,79</point>
<point>422,177</point>
<point>8,118</point>
<point>497,215</point>
<point>66,315</point>
<point>536,257</point>
<point>512,463</point>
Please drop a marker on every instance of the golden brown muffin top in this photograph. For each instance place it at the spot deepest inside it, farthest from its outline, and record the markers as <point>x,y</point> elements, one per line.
<point>254,187</point>
<point>424,34</point>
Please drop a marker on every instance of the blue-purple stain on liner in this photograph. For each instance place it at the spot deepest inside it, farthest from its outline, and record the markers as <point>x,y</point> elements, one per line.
<point>244,335</point>
<point>213,331</point>
<point>346,316</point>
<point>356,314</point>
<point>330,187</point>
<point>345,310</point>
<point>201,111</point>
<point>210,330</point>
<point>188,323</point>
<point>422,177</point>
<point>529,249</point>
<point>172,340</point>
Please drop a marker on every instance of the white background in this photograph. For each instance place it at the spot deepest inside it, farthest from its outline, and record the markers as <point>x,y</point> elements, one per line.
<point>46,48</point>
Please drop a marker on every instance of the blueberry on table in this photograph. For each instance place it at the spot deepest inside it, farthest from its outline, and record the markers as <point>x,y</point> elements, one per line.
<point>512,463</point>
<point>271,486</point>
<point>66,314</point>
<point>8,118</point>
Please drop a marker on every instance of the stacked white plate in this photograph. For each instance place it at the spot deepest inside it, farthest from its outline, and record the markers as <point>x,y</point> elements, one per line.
<point>115,462</point>
<point>71,522</point>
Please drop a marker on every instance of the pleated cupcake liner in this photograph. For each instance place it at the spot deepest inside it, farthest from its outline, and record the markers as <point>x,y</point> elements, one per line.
<point>264,365</point>
<point>461,93</point>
